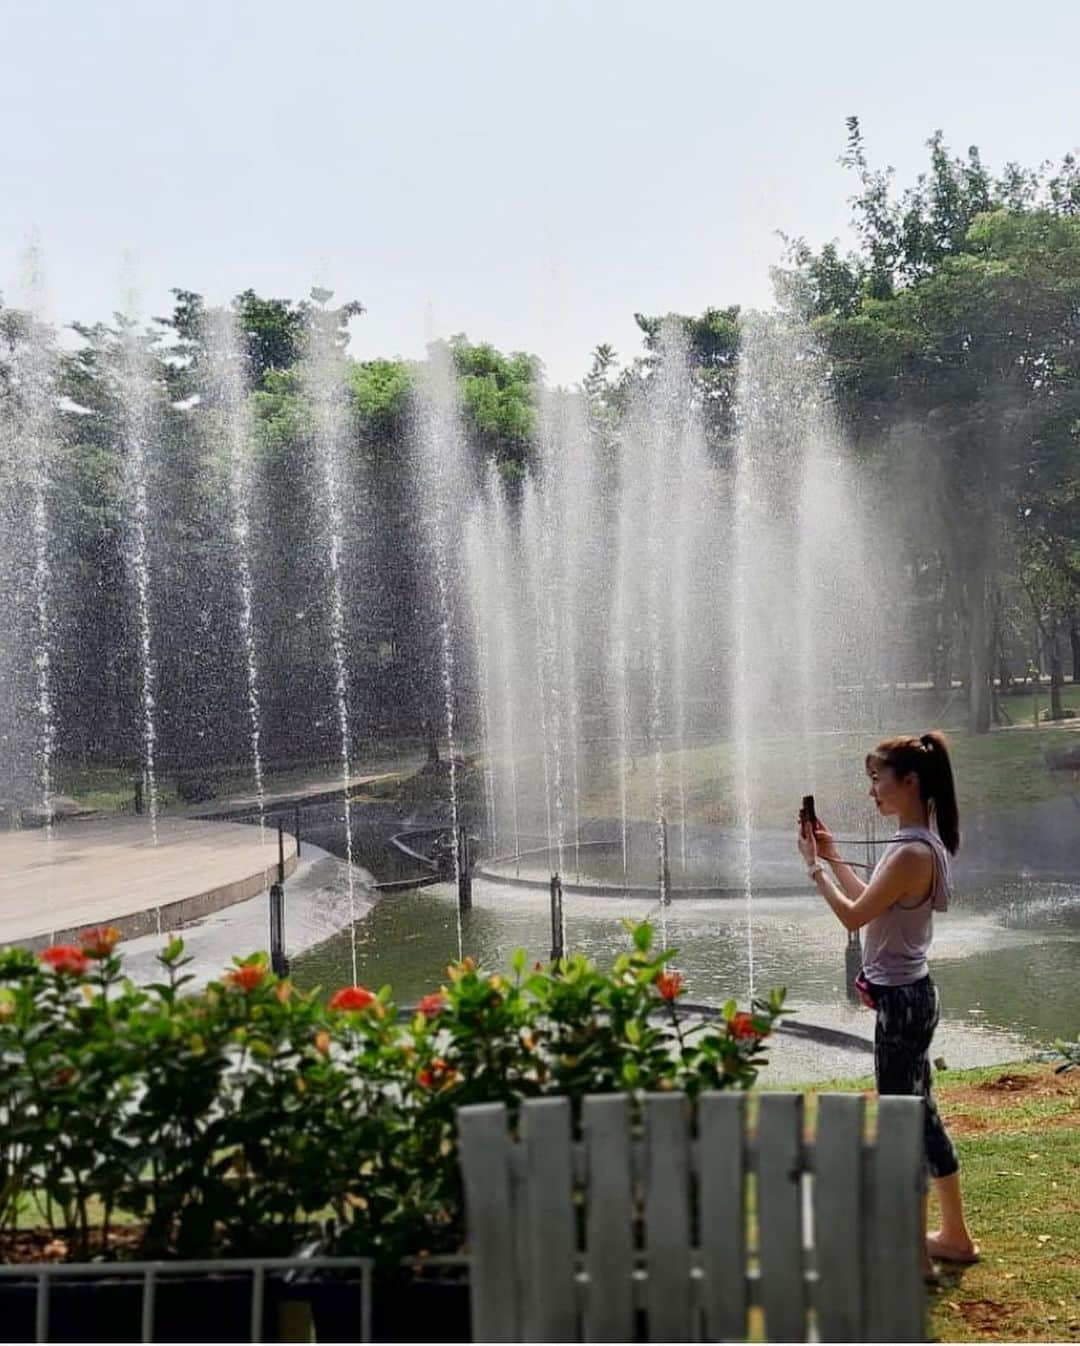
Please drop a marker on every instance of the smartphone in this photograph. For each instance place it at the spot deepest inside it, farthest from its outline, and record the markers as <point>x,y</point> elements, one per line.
<point>808,810</point>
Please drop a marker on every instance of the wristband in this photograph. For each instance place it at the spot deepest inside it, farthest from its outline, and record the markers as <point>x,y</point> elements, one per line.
<point>818,867</point>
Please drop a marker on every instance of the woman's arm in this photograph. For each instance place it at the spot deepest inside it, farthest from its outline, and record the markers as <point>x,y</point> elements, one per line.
<point>849,881</point>
<point>904,873</point>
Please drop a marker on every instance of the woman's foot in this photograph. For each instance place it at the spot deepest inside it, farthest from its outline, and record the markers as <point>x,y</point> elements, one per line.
<point>961,1250</point>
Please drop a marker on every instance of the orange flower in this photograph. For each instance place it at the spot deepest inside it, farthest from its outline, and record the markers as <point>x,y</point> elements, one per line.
<point>669,984</point>
<point>322,1042</point>
<point>66,958</point>
<point>742,1026</point>
<point>432,1005</point>
<point>99,940</point>
<point>437,1076</point>
<point>246,977</point>
<point>351,998</point>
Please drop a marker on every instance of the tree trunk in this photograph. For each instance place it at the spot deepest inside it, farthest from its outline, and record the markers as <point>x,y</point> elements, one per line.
<point>979,707</point>
<point>1074,641</point>
<point>941,671</point>
<point>1057,674</point>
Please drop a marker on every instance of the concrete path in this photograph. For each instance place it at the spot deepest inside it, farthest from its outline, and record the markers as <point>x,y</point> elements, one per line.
<point>90,873</point>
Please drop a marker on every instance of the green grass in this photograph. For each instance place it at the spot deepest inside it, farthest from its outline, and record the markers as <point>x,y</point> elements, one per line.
<point>994,772</point>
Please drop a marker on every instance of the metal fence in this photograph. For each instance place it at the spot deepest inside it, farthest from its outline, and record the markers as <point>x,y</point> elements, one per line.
<point>46,1275</point>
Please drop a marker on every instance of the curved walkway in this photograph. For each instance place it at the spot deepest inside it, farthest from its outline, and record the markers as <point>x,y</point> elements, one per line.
<point>90,873</point>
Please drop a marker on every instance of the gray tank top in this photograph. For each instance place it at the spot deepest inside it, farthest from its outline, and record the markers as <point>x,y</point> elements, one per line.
<point>896,942</point>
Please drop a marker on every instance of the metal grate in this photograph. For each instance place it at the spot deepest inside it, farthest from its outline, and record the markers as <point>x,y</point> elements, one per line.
<point>47,1273</point>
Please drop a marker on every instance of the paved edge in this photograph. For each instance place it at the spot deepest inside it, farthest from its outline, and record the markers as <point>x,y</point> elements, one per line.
<point>173,915</point>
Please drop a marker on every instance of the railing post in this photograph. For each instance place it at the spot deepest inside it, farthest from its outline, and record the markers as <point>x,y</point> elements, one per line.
<point>557,948</point>
<point>464,870</point>
<point>665,865</point>
<point>296,828</point>
<point>852,965</point>
<point>279,963</point>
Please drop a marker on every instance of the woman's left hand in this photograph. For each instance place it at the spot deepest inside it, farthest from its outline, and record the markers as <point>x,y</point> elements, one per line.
<point>807,844</point>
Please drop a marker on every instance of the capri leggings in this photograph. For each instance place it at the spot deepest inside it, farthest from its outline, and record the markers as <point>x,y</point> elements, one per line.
<point>906,1019</point>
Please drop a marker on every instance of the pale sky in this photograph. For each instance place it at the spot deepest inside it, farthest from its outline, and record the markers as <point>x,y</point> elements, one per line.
<point>528,173</point>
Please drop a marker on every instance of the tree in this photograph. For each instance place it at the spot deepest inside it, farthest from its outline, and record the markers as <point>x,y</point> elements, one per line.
<point>958,317</point>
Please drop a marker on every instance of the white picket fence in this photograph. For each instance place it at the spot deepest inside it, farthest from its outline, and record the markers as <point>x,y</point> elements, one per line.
<point>572,1240</point>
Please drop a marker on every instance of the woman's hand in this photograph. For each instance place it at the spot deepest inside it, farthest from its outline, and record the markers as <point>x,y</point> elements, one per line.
<point>816,842</point>
<point>825,842</point>
<point>807,844</point>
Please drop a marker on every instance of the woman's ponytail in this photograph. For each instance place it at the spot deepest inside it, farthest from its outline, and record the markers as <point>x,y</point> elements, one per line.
<point>928,757</point>
<point>939,787</point>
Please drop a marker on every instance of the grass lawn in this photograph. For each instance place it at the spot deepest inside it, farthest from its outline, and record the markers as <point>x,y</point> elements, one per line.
<point>994,771</point>
<point>1017,1129</point>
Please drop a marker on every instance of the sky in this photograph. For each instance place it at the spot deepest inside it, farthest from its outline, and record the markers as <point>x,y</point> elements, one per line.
<point>531,174</point>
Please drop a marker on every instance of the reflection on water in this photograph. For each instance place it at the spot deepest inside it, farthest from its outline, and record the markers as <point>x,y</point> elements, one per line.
<point>1007,955</point>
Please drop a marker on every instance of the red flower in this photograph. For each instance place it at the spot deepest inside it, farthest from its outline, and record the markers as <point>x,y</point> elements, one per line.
<point>742,1026</point>
<point>432,1005</point>
<point>247,976</point>
<point>669,984</point>
<point>66,958</point>
<point>437,1076</point>
<point>99,940</point>
<point>351,998</point>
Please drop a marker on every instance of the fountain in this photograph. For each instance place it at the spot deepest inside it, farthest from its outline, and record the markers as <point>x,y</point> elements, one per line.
<point>30,447</point>
<point>645,643</point>
<point>138,437</point>
<point>324,382</point>
<point>442,475</point>
<point>227,391</point>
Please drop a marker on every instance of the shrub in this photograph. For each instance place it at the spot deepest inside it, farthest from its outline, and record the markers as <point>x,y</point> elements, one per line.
<point>237,1118</point>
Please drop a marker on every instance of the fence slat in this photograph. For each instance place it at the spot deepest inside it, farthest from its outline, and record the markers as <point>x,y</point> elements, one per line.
<point>549,1293</point>
<point>897,1305</point>
<point>485,1165</point>
<point>149,1295</point>
<point>609,1232</point>
<point>779,1197</point>
<point>667,1217</point>
<point>722,1203</point>
<point>840,1231</point>
<point>41,1308</point>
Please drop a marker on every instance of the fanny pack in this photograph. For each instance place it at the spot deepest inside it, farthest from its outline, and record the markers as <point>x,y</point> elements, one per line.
<point>866,991</point>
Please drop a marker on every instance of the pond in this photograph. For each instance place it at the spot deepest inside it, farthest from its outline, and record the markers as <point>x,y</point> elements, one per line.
<point>1005,957</point>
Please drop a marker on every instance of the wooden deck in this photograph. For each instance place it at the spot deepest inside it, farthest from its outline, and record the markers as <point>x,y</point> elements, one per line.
<point>92,873</point>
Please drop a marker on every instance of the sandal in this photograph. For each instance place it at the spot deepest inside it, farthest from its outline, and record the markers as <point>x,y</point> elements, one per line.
<point>942,1252</point>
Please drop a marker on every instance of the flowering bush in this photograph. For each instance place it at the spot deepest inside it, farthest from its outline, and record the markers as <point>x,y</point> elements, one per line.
<point>236,1118</point>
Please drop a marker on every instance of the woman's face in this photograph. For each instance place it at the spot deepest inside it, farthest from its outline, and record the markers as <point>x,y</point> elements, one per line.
<point>890,792</point>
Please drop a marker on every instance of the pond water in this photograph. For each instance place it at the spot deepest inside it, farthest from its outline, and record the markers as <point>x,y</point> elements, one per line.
<point>1005,957</point>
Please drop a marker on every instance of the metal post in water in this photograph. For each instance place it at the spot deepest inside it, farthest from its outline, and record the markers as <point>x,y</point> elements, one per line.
<point>279,964</point>
<point>665,865</point>
<point>852,965</point>
<point>557,949</point>
<point>464,870</point>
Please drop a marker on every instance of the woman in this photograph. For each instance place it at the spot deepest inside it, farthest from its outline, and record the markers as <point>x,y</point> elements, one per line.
<point>911,779</point>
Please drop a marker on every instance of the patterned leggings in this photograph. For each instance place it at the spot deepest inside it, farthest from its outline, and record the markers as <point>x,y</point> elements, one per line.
<point>906,1019</point>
